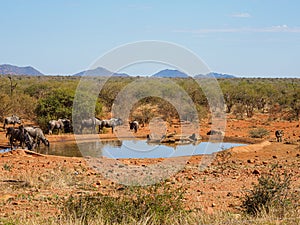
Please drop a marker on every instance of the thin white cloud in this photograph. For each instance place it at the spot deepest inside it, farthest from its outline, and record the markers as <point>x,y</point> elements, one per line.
<point>272,29</point>
<point>241,15</point>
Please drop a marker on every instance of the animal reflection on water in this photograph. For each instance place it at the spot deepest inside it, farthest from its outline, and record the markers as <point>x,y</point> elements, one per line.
<point>134,149</point>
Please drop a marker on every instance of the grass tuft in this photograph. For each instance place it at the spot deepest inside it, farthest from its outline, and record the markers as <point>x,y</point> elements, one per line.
<point>157,203</point>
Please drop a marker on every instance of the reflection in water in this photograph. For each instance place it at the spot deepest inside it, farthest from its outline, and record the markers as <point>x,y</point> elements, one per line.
<point>131,149</point>
<point>135,149</point>
<point>93,148</point>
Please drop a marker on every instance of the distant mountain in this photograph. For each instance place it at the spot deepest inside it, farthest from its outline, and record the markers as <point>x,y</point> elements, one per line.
<point>215,75</point>
<point>100,71</point>
<point>178,74</point>
<point>6,69</point>
<point>170,74</point>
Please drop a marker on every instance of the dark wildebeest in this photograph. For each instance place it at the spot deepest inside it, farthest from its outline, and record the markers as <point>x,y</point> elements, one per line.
<point>113,122</point>
<point>134,125</point>
<point>61,125</point>
<point>37,135</point>
<point>279,134</point>
<point>90,124</point>
<point>215,132</point>
<point>11,120</point>
<point>17,134</point>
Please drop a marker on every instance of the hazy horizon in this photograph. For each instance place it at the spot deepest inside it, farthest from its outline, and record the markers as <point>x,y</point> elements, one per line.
<point>128,72</point>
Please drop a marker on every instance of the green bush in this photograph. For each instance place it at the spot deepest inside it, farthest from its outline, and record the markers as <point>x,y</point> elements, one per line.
<point>133,204</point>
<point>258,133</point>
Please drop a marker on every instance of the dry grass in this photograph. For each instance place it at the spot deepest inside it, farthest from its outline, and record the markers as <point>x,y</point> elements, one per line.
<point>292,218</point>
<point>52,179</point>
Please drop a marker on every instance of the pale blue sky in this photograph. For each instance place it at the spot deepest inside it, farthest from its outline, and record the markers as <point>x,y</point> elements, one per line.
<point>242,37</point>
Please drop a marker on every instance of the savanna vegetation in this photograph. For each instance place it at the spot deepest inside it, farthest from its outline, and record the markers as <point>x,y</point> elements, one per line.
<point>270,201</point>
<point>43,98</point>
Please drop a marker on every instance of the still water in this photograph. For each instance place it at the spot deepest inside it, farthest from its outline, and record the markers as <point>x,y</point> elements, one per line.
<point>133,149</point>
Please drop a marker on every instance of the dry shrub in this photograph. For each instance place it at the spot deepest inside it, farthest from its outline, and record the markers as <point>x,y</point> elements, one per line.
<point>258,133</point>
<point>272,194</point>
<point>159,203</point>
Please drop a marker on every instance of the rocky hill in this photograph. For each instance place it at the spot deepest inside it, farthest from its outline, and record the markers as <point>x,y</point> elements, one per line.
<point>100,71</point>
<point>170,74</point>
<point>6,69</point>
<point>215,75</point>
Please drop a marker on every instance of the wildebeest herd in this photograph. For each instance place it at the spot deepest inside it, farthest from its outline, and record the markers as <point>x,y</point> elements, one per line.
<point>31,137</point>
<point>112,123</point>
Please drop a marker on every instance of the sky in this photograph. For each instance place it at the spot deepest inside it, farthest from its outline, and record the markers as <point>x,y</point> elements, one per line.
<point>248,38</point>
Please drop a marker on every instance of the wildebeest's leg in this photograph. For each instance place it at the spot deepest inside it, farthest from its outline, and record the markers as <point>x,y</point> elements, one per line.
<point>22,144</point>
<point>51,127</point>
<point>38,143</point>
<point>59,130</point>
<point>11,141</point>
<point>112,128</point>
<point>4,124</point>
<point>48,146</point>
<point>278,135</point>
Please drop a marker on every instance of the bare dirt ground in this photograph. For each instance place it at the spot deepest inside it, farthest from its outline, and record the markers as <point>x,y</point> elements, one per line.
<point>35,185</point>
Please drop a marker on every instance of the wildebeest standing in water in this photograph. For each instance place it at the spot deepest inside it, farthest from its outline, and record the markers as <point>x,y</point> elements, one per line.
<point>279,134</point>
<point>112,123</point>
<point>134,125</point>
<point>62,125</point>
<point>18,135</point>
<point>11,120</point>
<point>37,136</point>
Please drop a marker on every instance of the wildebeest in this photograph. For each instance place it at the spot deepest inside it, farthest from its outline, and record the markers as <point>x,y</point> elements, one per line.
<point>15,135</point>
<point>11,120</point>
<point>279,134</point>
<point>90,124</point>
<point>61,125</point>
<point>113,122</point>
<point>38,136</point>
<point>215,132</point>
<point>134,125</point>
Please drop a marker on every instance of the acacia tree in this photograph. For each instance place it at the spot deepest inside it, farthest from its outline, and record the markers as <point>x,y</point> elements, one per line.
<point>57,104</point>
<point>229,92</point>
<point>111,89</point>
<point>12,85</point>
<point>295,102</point>
<point>143,113</point>
<point>5,105</point>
